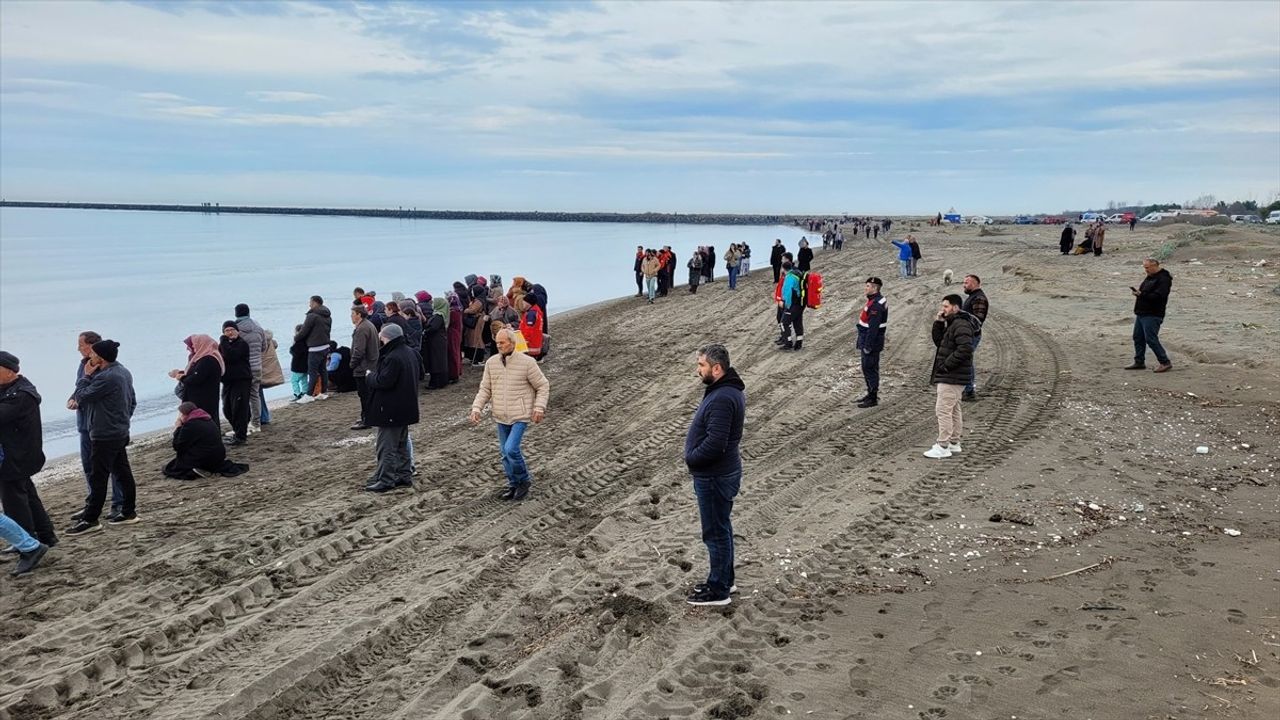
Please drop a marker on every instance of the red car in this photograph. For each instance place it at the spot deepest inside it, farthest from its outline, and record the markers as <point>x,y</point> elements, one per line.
<point>1053,220</point>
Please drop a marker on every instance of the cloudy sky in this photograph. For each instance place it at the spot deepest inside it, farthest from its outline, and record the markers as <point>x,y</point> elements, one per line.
<point>665,106</point>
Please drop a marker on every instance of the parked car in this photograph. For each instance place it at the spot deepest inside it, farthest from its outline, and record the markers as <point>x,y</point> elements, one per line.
<point>1053,220</point>
<point>1120,218</point>
<point>1248,219</point>
<point>1092,216</point>
<point>1274,218</point>
<point>980,220</point>
<point>953,218</point>
<point>1025,220</point>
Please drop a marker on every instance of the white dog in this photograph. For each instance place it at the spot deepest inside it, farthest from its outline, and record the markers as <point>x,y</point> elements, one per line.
<point>946,276</point>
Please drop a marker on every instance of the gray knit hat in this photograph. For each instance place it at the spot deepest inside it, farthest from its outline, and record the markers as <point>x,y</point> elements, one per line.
<point>391,331</point>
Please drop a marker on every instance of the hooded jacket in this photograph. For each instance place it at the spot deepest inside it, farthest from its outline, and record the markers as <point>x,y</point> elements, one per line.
<point>253,334</point>
<point>272,373</point>
<point>20,429</point>
<point>711,445</point>
<point>515,386</point>
<point>1153,295</point>
<point>107,396</point>
<point>316,327</point>
<point>953,360</point>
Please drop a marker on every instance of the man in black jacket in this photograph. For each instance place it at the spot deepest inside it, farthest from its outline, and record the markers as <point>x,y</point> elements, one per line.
<point>1068,239</point>
<point>21,440</point>
<point>1149,301</point>
<point>364,357</point>
<point>315,333</point>
<point>106,394</point>
<point>711,453</point>
<point>952,365</point>
<point>237,379</point>
<point>775,259</point>
<point>639,275</point>
<point>393,407</point>
<point>977,305</point>
<point>872,322</point>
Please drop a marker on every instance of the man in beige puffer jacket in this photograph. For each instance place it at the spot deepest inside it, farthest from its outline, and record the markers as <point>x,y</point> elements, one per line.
<point>518,392</point>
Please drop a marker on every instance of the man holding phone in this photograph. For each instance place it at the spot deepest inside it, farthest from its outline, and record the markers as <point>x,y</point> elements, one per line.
<point>1150,299</point>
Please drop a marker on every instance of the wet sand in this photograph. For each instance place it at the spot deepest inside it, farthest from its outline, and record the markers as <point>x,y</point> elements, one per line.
<point>873,582</point>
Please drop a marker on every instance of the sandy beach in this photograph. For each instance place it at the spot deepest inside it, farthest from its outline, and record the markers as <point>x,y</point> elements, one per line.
<point>874,583</point>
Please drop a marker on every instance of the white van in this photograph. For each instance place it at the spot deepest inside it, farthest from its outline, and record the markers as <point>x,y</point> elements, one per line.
<point>1274,218</point>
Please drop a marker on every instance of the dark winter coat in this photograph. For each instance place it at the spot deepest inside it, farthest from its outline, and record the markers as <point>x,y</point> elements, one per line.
<point>953,361</point>
<point>235,355</point>
<point>804,259</point>
<point>435,356</point>
<point>775,256</point>
<point>1068,239</point>
<point>711,446</point>
<point>413,333</point>
<point>298,356</point>
<point>873,319</point>
<point>976,305</point>
<point>393,386</point>
<point>198,444</point>
<point>1153,295</point>
<point>364,348</point>
<point>200,385</point>
<point>20,430</point>
<point>107,396</point>
<point>316,327</point>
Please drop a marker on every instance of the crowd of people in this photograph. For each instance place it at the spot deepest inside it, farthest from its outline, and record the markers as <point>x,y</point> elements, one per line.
<point>1094,235</point>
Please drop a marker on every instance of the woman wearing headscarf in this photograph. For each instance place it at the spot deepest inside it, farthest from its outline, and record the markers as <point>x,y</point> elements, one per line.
<point>412,325</point>
<point>473,320</point>
<point>435,344</point>
<point>804,257</point>
<point>198,447</point>
<point>200,382</point>
<point>455,336</point>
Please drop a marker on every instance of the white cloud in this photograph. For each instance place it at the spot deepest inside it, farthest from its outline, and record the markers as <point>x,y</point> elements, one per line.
<point>285,96</point>
<point>163,97</point>
<point>194,111</point>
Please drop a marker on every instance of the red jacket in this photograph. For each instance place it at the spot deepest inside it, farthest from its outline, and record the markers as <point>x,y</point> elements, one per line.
<point>531,329</point>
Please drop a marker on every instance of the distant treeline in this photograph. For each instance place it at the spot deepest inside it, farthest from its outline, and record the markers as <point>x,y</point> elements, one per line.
<point>209,208</point>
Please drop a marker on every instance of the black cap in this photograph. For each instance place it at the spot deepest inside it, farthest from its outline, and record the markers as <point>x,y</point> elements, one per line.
<point>242,310</point>
<point>9,361</point>
<point>108,350</point>
<point>230,324</point>
<point>876,281</point>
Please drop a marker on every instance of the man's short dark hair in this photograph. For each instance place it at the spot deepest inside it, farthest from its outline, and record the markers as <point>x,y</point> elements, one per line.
<point>975,278</point>
<point>91,337</point>
<point>358,309</point>
<point>716,354</point>
<point>358,290</point>
<point>317,299</point>
<point>954,299</point>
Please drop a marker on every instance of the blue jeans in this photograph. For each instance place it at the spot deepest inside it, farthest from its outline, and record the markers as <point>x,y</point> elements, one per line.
<point>973,365</point>
<point>509,437</point>
<point>12,533</point>
<point>316,371</point>
<point>715,505</point>
<point>86,447</point>
<point>651,286</point>
<point>733,278</point>
<point>904,268</point>
<point>264,417</point>
<point>1146,333</point>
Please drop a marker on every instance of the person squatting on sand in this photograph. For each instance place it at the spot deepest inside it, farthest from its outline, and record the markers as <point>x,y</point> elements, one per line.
<point>22,443</point>
<point>1149,302</point>
<point>393,407</point>
<point>517,392</point>
<point>711,454</point>
<point>84,344</point>
<point>198,447</point>
<point>873,321</point>
<point>977,305</point>
<point>106,394</point>
<point>952,366</point>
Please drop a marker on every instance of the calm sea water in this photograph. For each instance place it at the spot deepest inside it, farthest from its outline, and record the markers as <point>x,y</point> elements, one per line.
<point>148,280</point>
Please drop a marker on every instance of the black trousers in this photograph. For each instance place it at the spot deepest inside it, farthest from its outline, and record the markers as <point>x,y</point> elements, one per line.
<point>793,318</point>
<point>639,283</point>
<point>108,458</point>
<point>21,502</point>
<point>871,370</point>
<point>362,390</point>
<point>777,273</point>
<point>235,405</point>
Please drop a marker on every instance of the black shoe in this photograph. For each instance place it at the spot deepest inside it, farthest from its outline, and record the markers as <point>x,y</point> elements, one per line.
<point>871,400</point>
<point>1135,366</point>
<point>28,561</point>
<point>700,587</point>
<point>706,597</point>
<point>521,491</point>
<point>77,515</point>
<point>359,426</point>
<point>799,344</point>
<point>83,528</point>
<point>120,518</point>
<point>404,483</point>
<point>507,493</point>
<point>234,441</point>
<point>969,396</point>
<point>780,341</point>
<point>788,345</point>
<point>380,486</point>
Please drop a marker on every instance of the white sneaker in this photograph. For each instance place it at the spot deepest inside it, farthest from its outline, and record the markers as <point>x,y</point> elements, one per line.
<point>322,396</point>
<point>253,429</point>
<point>937,452</point>
<point>229,434</point>
<point>306,399</point>
<point>954,447</point>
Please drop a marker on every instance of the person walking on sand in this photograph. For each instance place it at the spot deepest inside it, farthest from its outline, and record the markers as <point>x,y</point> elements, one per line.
<point>256,338</point>
<point>792,304</point>
<point>236,379</point>
<point>695,270</point>
<point>1068,239</point>
<point>1149,302</point>
<point>873,320</point>
<point>640,256</point>
<point>650,268</point>
<point>393,407</point>
<point>977,305</point>
<point>315,331</point>
<point>364,358</point>
<point>30,550</point>
<point>775,259</point>
<point>952,365</point>
<point>21,443</point>
<point>517,392</point>
<point>106,392</point>
<point>1132,222</point>
<point>804,258</point>
<point>904,258</point>
<point>84,344</point>
<point>711,454</point>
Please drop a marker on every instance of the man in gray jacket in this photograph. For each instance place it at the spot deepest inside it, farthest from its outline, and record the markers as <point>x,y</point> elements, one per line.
<point>315,334</point>
<point>106,394</point>
<point>253,334</point>
<point>364,358</point>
